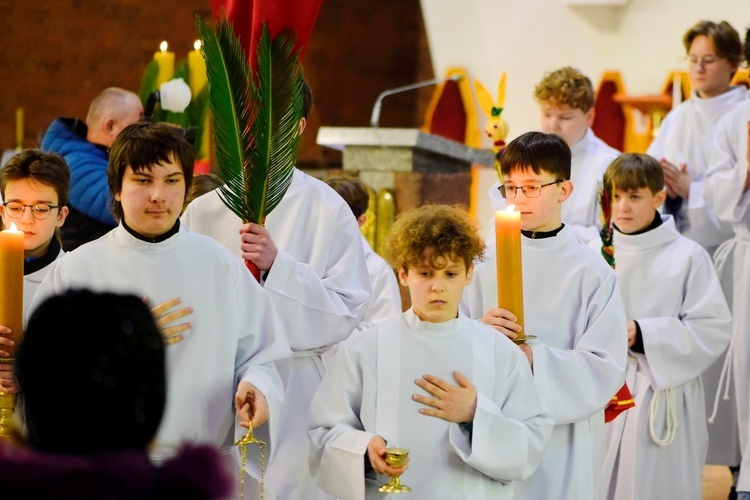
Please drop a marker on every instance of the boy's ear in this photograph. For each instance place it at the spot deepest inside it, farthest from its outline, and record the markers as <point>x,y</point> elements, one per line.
<point>61,216</point>
<point>566,189</point>
<point>470,274</point>
<point>659,199</point>
<point>361,220</point>
<point>590,117</point>
<point>402,276</point>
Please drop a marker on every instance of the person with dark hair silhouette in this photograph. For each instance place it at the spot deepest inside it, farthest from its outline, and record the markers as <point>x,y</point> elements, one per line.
<point>89,438</point>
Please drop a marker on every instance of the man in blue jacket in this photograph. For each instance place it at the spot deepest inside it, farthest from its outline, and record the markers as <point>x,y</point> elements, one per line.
<point>85,147</point>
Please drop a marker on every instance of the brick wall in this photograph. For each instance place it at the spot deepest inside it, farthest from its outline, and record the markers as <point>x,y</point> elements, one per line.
<point>58,54</point>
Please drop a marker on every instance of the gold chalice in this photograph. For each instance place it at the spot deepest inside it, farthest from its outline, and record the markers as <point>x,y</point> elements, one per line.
<point>395,457</point>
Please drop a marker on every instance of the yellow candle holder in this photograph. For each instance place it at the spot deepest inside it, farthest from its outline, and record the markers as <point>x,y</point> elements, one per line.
<point>8,428</point>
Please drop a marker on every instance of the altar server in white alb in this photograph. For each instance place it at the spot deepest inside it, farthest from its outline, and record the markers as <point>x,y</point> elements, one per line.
<point>572,305</point>
<point>457,395</point>
<point>566,103</point>
<point>726,191</point>
<point>35,186</point>
<point>683,144</point>
<point>683,147</point>
<point>678,325</point>
<point>223,360</point>
<point>313,268</point>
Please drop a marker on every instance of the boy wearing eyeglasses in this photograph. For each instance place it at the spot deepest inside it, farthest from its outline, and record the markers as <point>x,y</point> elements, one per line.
<point>566,104</point>
<point>35,188</point>
<point>573,307</point>
<point>684,143</point>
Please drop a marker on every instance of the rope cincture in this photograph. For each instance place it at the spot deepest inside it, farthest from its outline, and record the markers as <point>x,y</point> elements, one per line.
<point>671,417</point>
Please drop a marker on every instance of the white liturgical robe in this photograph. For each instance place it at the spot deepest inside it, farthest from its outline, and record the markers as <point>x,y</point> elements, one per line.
<point>669,286</point>
<point>320,288</point>
<point>580,212</point>
<point>724,192</point>
<point>32,281</point>
<point>573,306</point>
<point>235,333</point>
<point>686,136</point>
<point>368,391</point>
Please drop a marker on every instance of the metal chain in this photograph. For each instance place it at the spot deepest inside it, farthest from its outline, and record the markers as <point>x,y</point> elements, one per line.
<point>242,443</point>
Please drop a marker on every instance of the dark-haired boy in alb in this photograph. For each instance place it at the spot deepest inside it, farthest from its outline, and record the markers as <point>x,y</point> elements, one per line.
<point>573,306</point>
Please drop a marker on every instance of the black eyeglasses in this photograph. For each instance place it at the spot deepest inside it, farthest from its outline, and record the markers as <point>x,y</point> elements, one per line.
<point>529,191</point>
<point>40,211</point>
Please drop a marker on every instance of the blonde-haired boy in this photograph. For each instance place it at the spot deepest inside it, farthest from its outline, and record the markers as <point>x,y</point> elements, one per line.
<point>566,102</point>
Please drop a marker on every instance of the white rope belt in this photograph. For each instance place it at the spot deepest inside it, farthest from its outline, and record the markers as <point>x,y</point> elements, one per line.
<point>305,353</point>
<point>725,380</point>
<point>670,416</point>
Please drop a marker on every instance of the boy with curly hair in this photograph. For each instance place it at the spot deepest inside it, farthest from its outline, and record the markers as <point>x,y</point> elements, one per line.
<point>467,380</point>
<point>566,102</point>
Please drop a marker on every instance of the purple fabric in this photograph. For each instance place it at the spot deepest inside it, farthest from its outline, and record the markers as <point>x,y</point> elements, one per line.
<point>196,472</point>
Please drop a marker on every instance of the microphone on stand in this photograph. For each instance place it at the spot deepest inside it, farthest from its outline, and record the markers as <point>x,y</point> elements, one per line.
<point>375,117</point>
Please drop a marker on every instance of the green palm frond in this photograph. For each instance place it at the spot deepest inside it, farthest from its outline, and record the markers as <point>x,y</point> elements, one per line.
<point>276,127</point>
<point>256,118</point>
<point>233,111</point>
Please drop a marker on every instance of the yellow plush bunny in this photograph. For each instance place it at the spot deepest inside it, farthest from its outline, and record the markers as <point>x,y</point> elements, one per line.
<point>496,128</point>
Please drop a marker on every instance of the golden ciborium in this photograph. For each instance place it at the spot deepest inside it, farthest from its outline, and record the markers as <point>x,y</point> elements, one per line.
<point>395,457</point>
<point>247,439</point>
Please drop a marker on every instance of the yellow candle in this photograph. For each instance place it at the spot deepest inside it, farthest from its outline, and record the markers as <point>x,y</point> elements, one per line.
<point>165,59</point>
<point>197,69</point>
<point>19,129</point>
<point>11,283</point>
<point>509,271</point>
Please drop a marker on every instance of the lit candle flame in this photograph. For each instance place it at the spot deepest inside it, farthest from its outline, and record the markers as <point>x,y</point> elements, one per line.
<point>13,228</point>
<point>197,45</point>
<point>510,208</point>
<point>163,46</point>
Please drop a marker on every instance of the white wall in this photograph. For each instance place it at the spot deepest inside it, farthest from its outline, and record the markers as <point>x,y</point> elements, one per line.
<point>526,38</point>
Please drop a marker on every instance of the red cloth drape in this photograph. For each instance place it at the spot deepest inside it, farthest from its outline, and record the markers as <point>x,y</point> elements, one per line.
<point>620,402</point>
<point>248,16</point>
